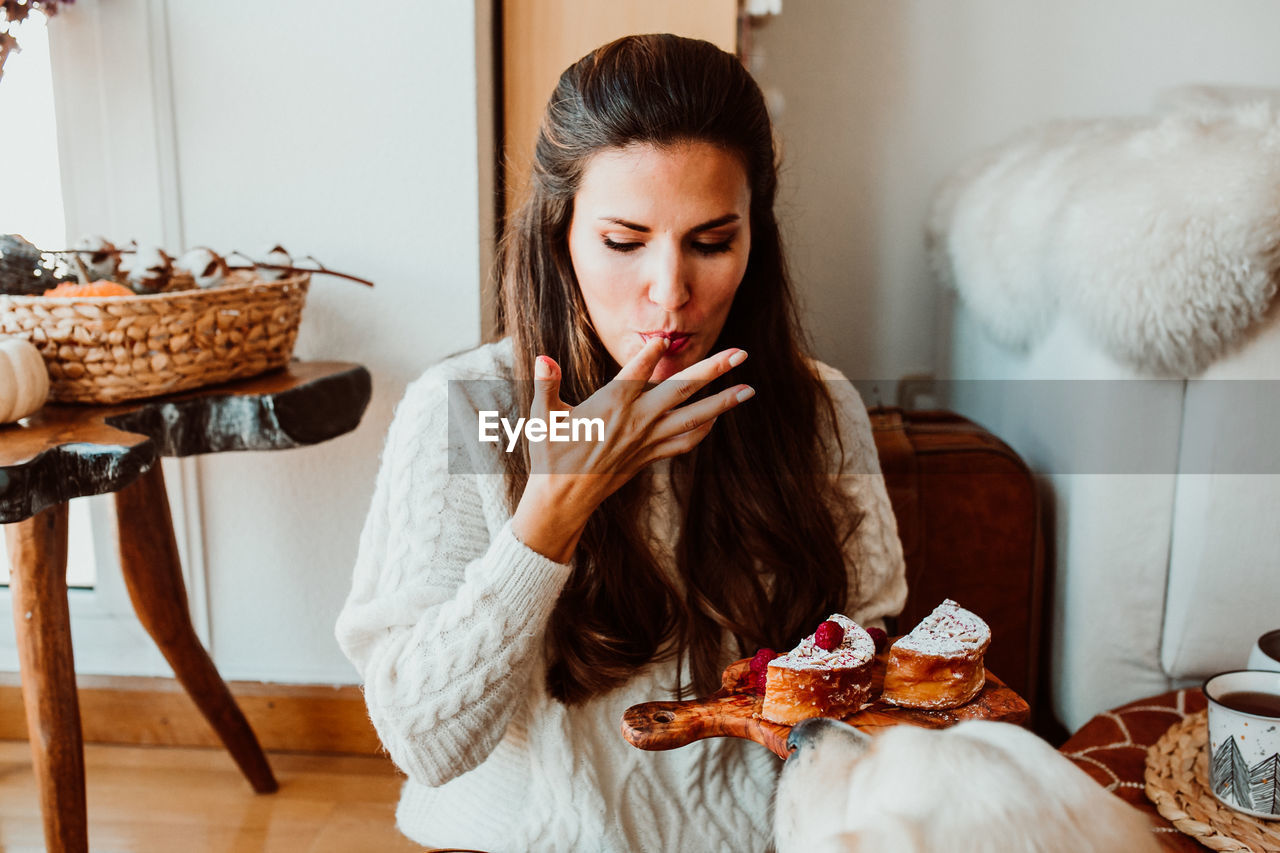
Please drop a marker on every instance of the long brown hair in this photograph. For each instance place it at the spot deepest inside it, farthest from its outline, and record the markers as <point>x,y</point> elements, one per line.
<point>760,547</point>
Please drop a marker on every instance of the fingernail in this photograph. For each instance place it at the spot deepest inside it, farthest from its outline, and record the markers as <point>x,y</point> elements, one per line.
<point>746,394</point>
<point>541,370</point>
<point>737,358</point>
<point>666,342</point>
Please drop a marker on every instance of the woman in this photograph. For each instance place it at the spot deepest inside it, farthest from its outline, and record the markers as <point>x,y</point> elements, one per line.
<point>507,607</point>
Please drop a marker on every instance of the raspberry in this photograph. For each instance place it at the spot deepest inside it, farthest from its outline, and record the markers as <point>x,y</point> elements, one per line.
<point>879,637</point>
<point>828,636</point>
<point>758,683</point>
<point>759,670</point>
<point>760,662</point>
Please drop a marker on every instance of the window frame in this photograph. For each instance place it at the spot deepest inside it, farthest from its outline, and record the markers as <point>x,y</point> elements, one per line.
<point>117,152</point>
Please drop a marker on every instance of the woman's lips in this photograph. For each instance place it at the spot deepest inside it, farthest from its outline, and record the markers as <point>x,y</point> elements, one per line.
<point>678,339</point>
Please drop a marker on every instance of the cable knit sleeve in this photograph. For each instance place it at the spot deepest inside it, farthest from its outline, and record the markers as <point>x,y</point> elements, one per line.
<point>873,555</point>
<point>446,613</point>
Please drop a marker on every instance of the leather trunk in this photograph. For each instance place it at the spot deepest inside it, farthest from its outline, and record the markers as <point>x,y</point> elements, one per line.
<point>968,513</point>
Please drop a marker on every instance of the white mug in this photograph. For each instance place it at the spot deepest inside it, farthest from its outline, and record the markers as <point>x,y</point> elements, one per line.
<point>1266,652</point>
<point>1244,741</point>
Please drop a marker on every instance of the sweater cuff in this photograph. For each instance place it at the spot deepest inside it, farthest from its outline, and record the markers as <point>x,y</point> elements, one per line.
<point>530,583</point>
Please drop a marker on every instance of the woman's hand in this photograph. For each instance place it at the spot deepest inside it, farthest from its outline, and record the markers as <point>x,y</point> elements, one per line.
<point>642,423</point>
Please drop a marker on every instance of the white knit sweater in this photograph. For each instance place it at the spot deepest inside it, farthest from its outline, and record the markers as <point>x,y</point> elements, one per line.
<point>446,619</point>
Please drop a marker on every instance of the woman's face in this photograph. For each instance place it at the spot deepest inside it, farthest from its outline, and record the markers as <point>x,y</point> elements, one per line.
<point>659,242</point>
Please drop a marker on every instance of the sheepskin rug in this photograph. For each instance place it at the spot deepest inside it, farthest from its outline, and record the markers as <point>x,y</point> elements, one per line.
<point>1159,235</point>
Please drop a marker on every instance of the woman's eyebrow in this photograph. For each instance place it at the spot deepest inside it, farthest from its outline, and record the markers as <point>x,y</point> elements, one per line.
<point>716,223</point>
<point>625,224</point>
<point>706,226</point>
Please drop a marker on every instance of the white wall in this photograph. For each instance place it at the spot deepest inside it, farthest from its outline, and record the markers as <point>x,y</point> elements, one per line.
<point>881,100</point>
<point>355,133</point>
<point>349,132</point>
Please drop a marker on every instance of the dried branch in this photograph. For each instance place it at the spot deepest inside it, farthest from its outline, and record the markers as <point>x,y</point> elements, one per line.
<point>16,12</point>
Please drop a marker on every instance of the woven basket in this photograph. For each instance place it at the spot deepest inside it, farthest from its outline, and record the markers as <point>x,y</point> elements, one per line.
<point>113,348</point>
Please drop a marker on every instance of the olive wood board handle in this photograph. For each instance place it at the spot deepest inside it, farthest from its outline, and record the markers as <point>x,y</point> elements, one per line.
<point>733,711</point>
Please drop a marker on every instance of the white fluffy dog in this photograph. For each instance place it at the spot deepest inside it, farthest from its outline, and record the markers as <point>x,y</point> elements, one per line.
<point>978,787</point>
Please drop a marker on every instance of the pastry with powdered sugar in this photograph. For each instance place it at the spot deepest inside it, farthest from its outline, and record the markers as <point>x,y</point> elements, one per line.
<point>827,675</point>
<point>939,664</point>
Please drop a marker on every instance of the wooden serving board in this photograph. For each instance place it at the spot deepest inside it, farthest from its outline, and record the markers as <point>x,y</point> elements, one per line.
<point>733,711</point>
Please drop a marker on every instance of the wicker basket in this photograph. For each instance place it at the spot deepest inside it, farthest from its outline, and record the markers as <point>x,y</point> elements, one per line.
<point>108,349</point>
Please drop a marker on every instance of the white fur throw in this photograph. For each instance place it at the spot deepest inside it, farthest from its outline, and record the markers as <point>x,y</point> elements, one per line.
<point>1161,235</point>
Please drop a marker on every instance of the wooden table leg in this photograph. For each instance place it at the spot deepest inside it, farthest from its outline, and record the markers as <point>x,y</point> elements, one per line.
<point>38,583</point>
<point>153,575</point>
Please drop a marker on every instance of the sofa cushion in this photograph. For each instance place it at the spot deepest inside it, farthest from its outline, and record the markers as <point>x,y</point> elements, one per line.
<point>1224,563</point>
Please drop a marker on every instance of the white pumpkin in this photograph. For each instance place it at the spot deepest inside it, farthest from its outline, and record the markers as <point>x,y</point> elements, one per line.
<point>24,380</point>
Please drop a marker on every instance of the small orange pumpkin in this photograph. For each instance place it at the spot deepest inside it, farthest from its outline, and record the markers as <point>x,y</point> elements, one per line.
<point>102,287</point>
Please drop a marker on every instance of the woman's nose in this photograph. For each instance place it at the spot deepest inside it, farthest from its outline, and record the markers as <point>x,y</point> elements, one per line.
<point>668,284</point>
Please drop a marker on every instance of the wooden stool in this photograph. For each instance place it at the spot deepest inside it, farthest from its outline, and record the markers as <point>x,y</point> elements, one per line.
<point>68,451</point>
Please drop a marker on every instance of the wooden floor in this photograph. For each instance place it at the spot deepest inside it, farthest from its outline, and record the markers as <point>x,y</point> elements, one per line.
<point>166,799</point>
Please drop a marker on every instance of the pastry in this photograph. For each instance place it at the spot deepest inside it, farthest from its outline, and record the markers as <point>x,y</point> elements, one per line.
<point>939,664</point>
<point>827,675</point>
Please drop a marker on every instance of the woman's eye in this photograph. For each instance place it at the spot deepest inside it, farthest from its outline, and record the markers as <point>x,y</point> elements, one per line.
<point>621,247</point>
<point>700,248</point>
<point>713,248</point>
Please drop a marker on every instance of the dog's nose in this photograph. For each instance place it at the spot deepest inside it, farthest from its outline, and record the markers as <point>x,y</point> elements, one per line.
<point>803,732</point>
<point>806,733</point>
<point>793,742</point>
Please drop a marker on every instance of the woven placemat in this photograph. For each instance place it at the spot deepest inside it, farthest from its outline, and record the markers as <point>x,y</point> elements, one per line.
<point>1177,782</point>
